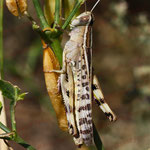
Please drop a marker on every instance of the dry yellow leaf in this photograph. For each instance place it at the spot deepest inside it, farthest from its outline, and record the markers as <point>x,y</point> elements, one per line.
<point>16,7</point>
<point>12,7</point>
<point>22,5</point>
<point>51,79</point>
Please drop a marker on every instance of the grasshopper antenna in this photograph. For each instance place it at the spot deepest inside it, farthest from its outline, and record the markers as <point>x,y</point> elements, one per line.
<point>95,5</point>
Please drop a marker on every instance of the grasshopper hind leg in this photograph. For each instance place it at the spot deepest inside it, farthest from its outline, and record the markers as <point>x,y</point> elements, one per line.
<point>99,99</point>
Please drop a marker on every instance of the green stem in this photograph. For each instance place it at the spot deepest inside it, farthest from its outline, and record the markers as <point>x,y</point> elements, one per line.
<point>12,115</point>
<point>40,14</point>
<point>97,140</point>
<point>73,12</point>
<point>12,111</point>
<point>36,28</point>
<point>23,143</point>
<point>57,12</point>
<point>4,128</point>
<point>1,38</point>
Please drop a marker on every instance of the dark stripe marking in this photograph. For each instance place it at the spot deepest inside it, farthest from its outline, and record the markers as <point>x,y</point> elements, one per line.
<point>83,67</point>
<point>94,87</point>
<point>86,96</point>
<point>85,84</point>
<point>68,93</point>
<point>110,116</point>
<point>87,88</point>
<point>87,107</point>
<point>86,131</point>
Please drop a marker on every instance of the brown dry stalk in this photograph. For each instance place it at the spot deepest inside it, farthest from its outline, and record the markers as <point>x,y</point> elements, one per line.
<point>51,79</point>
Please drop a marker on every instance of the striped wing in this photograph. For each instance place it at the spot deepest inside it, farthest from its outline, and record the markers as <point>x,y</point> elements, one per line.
<point>67,87</point>
<point>83,107</point>
<point>83,93</point>
<point>99,98</point>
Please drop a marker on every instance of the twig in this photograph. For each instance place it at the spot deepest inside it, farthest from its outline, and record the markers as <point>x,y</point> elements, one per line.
<point>3,114</point>
<point>73,12</point>
<point>40,14</point>
<point>12,115</point>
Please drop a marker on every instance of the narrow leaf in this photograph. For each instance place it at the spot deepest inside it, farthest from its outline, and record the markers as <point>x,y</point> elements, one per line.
<point>11,91</point>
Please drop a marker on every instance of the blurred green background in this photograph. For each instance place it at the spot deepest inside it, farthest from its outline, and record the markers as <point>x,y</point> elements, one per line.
<point>121,60</point>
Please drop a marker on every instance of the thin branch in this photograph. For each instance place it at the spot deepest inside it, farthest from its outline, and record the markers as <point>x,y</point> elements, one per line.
<point>73,12</point>
<point>12,115</point>
<point>3,114</point>
<point>40,14</point>
<point>37,28</point>
<point>4,128</point>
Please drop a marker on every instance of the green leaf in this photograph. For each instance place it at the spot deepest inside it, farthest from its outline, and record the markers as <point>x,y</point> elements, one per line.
<point>97,140</point>
<point>21,96</point>
<point>11,91</point>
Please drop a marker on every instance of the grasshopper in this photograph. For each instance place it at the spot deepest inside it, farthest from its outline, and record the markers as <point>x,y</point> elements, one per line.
<point>78,85</point>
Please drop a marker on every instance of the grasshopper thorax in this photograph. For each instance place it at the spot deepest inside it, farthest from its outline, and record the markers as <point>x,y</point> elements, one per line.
<point>83,19</point>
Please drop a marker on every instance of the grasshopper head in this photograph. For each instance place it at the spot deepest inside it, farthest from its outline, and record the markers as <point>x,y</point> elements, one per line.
<point>83,19</point>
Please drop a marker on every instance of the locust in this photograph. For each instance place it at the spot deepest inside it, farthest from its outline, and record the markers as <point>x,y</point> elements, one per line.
<point>78,84</point>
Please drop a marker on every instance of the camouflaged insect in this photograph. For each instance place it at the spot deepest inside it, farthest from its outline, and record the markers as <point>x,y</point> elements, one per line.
<point>78,85</point>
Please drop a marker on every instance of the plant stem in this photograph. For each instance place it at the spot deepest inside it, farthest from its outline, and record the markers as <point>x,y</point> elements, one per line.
<point>57,12</point>
<point>40,14</point>
<point>1,38</point>
<point>73,12</point>
<point>23,143</point>
<point>3,114</point>
<point>4,128</point>
<point>97,140</point>
<point>12,115</point>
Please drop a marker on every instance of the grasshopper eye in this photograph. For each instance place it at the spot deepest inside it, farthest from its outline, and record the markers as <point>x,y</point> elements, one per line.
<point>85,19</point>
